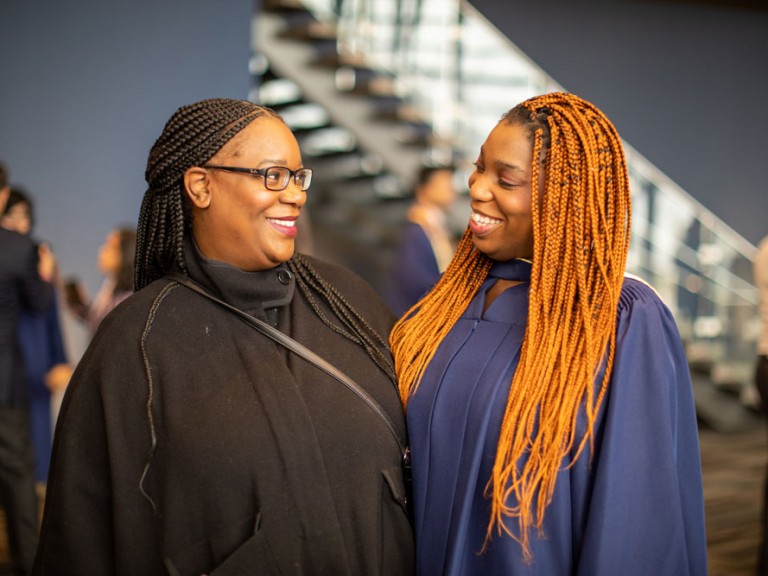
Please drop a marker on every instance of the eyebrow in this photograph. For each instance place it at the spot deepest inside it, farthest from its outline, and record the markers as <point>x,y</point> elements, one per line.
<point>501,165</point>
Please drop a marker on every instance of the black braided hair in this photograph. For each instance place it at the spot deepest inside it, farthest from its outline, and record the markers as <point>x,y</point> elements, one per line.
<point>354,326</point>
<point>190,138</point>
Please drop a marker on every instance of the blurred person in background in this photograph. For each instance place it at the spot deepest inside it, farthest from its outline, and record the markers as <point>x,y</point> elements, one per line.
<point>26,274</point>
<point>427,245</point>
<point>45,361</point>
<point>761,380</point>
<point>116,263</point>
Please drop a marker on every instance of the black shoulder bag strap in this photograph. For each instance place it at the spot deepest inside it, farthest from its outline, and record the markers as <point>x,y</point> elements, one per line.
<point>309,356</point>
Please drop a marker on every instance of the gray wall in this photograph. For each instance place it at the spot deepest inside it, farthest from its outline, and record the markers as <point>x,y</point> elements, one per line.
<point>86,87</point>
<point>686,85</point>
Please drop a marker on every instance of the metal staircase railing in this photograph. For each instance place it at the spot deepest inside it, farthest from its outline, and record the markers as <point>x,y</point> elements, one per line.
<point>440,71</point>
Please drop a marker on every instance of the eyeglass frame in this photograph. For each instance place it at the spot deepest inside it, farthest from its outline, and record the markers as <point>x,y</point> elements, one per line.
<point>292,174</point>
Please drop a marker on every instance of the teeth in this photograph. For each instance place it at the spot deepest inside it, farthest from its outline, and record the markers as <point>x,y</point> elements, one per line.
<point>283,222</point>
<point>483,220</point>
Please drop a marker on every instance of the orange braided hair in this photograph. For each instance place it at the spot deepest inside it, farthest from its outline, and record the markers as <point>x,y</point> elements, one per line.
<point>581,237</point>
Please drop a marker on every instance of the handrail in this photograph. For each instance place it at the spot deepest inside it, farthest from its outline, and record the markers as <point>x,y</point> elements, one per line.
<point>429,72</point>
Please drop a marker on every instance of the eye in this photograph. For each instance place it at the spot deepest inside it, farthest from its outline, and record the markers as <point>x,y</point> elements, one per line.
<point>478,166</point>
<point>273,176</point>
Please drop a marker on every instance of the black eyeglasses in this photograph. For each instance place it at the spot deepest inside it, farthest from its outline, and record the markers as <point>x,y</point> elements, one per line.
<point>276,178</point>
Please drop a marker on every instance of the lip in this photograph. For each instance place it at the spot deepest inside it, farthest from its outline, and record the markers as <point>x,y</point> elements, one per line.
<point>285,225</point>
<point>482,229</point>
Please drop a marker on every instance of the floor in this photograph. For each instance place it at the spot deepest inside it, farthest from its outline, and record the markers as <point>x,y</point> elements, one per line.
<point>733,467</point>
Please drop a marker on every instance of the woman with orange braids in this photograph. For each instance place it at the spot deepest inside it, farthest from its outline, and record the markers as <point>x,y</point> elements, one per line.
<point>548,398</point>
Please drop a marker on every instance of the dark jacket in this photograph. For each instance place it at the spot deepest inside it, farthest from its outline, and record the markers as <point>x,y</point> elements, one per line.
<point>20,289</point>
<point>190,444</point>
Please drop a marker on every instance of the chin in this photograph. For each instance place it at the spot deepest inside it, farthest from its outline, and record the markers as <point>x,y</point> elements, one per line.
<point>503,255</point>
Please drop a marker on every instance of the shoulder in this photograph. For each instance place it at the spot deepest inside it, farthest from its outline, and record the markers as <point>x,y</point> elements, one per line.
<point>340,277</point>
<point>641,310</point>
<point>133,309</point>
<point>14,243</point>
<point>641,304</point>
<point>356,290</point>
<point>14,237</point>
<point>636,290</point>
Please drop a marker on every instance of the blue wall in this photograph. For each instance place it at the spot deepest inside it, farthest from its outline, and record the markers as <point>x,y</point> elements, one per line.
<point>85,89</point>
<point>86,86</point>
<point>684,83</point>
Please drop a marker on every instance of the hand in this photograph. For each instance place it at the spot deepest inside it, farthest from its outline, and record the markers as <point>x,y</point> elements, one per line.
<point>57,378</point>
<point>46,265</point>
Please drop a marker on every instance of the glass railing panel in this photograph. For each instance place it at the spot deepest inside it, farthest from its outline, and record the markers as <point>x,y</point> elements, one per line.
<point>460,74</point>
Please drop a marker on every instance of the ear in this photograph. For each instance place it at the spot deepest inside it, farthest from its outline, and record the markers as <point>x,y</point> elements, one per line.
<point>196,185</point>
<point>4,193</point>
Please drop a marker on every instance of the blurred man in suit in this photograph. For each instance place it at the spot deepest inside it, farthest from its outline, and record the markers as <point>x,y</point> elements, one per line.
<point>25,283</point>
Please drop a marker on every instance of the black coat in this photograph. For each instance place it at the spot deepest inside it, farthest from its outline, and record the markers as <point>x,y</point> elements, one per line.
<point>20,289</point>
<point>188,443</point>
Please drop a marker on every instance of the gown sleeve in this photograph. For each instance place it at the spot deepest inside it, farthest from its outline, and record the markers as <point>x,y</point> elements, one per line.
<point>646,514</point>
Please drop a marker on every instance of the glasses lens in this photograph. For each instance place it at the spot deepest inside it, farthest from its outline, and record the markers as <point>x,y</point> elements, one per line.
<point>304,178</point>
<point>276,178</point>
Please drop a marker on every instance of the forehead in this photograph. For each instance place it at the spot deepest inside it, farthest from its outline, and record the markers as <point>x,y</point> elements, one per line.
<point>264,138</point>
<point>440,177</point>
<point>509,145</point>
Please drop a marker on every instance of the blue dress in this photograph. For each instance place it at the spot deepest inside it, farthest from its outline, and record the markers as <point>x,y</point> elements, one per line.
<point>635,509</point>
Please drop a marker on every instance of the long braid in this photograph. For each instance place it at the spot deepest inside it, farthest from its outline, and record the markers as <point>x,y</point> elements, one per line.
<point>581,238</point>
<point>190,138</point>
<point>416,336</point>
<point>355,327</point>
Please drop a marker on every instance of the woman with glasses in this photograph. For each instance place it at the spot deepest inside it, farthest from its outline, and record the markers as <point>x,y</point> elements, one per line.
<point>238,414</point>
<point>550,410</point>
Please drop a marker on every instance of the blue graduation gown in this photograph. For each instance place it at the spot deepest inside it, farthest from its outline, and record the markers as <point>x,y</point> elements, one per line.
<point>634,508</point>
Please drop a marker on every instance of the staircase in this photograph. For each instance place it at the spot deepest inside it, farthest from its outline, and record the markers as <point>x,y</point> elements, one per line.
<point>375,89</point>
<point>357,136</point>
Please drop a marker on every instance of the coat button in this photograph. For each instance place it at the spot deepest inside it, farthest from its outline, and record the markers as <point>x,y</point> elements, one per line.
<point>284,277</point>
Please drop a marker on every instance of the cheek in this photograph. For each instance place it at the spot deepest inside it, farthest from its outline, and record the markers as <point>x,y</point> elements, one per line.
<point>517,207</point>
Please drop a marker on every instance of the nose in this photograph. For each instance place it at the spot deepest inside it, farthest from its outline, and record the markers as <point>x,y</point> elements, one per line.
<point>478,189</point>
<point>293,194</point>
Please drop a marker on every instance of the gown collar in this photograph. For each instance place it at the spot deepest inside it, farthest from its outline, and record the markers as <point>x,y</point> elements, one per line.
<point>516,269</point>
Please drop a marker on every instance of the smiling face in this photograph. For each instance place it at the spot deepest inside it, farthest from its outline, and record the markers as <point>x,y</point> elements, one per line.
<point>235,219</point>
<point>500,189</point>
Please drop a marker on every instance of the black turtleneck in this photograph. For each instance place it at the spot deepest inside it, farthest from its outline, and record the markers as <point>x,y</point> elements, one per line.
<point>264,294</point>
